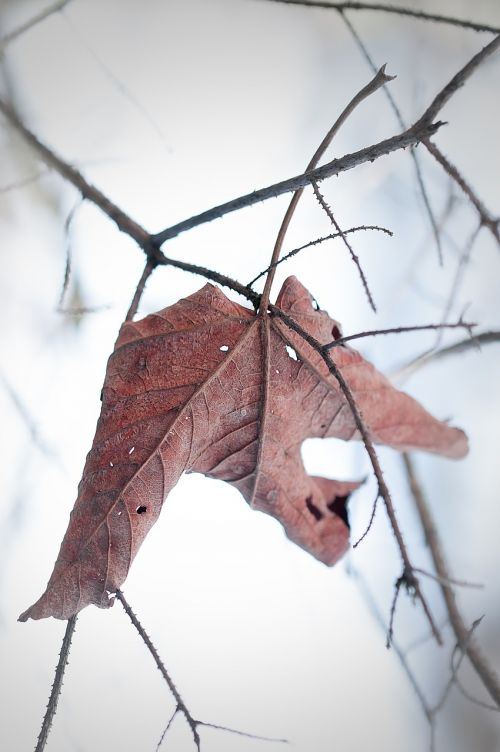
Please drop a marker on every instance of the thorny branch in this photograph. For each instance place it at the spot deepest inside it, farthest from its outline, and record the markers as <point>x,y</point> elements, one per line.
<point>394,9</point>
<point>408,576</point>
<point>57,685</point>
<point>317,241</point>
<point>328,211</point>
<point>181,706</point>
<point>485,217</point>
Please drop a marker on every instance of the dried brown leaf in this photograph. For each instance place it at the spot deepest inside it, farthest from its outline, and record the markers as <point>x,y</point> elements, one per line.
<point>207,386</point>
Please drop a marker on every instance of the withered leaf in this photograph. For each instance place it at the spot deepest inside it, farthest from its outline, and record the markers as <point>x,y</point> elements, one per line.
<point>207,386</point>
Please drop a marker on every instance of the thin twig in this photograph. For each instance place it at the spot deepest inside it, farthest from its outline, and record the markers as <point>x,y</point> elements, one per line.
<point>73,176</point>
<point>399,117</point>
<point>68,264</point>
<point>368,595</point>
<point>317,241</point>
<point>390,629</point>
<point>25,416</point>
<point>399,330</point>
<point>139,290</point>
<point>57,685</point>
<point>409,12</point>
<point>328,211</point>
<point>378,80</point>
<point>182,707</point>
<point>463,261</point>
<point>370,522</point>
<point>12,35</point>
<point>167,728</point>
<point>473,342</point>
<point>486,219</point>
<point>450,580</point>
<point>119,84</point>
<point>410,578</point>
<point>462,648</point>
<point>474,653</point>
<point>246,734</point>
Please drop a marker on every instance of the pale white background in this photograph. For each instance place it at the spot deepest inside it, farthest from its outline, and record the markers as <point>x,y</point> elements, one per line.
<point>170,108</point>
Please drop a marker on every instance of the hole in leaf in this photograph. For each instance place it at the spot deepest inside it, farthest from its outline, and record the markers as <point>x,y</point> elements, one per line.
<point>141,509</point>
<point>131,450</point>
<point>224,348</point>
<point>316,513</point>
<point>336,333</point>
<point>291,352</point>
<point>339,507</point>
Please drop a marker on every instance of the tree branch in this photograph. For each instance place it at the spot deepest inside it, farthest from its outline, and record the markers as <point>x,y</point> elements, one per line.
<point>12,35</point>
<point>485,217</point>
<point>462,633</point>
<point>369,154</point>
<point>409,12</point>
<point>371,87</point>
<point>57,685</point>
<point>399,117</point>
<point>408,575</point>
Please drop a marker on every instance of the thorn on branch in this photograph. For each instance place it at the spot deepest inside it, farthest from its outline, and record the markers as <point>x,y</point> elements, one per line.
<point>56,686</point>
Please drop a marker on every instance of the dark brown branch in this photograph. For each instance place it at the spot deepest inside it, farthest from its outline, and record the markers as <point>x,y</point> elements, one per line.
<point>390,629</point>
<point>410,137</point>
<point>182,707</point>
<point>462,633</point>
<point>125,223</point>
<point>57,685</point>
<point>485,217</point>
<point>73,176</point>
<point>409,12</point>
<point>410,579</point>
<point>328,211</point>
<point>397,112</point>
<point>400,330</point>
<point>370,522</point>
<point>458,81</point>
<point>335,167</point>
<point>139,290</point>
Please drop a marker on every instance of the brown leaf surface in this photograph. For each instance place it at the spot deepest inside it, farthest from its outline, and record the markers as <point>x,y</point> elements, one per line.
<point>207,386</point>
